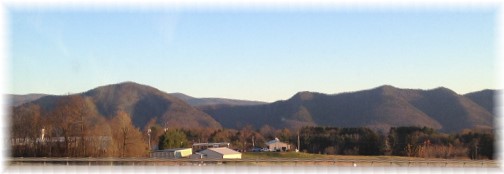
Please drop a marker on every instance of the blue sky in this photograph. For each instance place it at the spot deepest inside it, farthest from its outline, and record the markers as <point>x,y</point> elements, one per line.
<point>252,54</point>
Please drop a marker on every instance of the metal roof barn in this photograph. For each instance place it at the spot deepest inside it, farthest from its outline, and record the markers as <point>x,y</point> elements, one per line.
<point>221,153</point>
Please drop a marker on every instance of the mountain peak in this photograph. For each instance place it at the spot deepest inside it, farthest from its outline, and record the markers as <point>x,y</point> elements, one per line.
<point>303,95</point>
<point>132,84</point>
<point>129,82</point>
<point>386,87</point>
<point>127,86</point>
<point>443,90</point>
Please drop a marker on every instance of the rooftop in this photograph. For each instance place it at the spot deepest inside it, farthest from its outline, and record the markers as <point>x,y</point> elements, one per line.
<point>273,141</point>
<point>211,144</point>
<point>223,150</point>
<point>172,150</point>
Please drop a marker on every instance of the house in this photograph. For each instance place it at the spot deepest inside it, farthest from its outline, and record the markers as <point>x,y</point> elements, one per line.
<point>172,153</point>
<point>220,153</point>
<point>277,145</point>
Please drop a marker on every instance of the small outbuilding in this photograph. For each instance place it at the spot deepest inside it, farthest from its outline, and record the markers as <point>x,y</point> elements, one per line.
<point>220,153</point>
<point>277,145</point>
<point>172,153</point>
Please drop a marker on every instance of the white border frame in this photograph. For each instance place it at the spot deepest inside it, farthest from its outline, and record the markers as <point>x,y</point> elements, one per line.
<point>249,4</point>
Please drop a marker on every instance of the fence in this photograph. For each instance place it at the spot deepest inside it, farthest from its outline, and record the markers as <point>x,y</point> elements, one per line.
<point>253,162</point>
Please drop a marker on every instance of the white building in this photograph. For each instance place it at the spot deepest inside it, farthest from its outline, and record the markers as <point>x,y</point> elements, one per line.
<point>277,145</point>
<point>172,153</point>
<point>220,153</point>
<point>202,146</point>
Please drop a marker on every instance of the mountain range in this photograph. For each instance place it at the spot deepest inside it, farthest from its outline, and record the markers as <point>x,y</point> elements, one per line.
<point>377,108</point>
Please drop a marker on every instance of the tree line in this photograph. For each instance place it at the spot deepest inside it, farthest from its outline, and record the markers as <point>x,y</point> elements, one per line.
<point>74,129</point>
<point>399,141</point>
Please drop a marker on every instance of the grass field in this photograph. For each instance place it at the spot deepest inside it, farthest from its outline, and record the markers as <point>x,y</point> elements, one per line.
<point>351,160</point>
<point>301,155</point>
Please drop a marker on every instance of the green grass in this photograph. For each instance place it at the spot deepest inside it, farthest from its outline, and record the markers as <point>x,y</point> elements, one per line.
<point>254,155</point>
<point>301,155</point>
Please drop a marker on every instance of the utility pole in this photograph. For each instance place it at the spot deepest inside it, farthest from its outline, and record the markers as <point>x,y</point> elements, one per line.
<point>476,151</point>
<point>253,143</point>
<point>299,148</point>
<point>42,136</point>
<point>148,133</point>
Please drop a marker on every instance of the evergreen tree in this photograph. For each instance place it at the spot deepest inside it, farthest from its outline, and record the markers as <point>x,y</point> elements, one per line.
<point>172,138</point>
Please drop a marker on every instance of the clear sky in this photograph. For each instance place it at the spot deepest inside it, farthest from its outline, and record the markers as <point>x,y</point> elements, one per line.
<point>264,55</point>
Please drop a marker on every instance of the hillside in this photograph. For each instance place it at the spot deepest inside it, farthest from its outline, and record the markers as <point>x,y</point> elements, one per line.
<point>142,103</point>
<point>378,108</point>
<point>213,101</point>
<point>455,112</point>
<point>484,98</point>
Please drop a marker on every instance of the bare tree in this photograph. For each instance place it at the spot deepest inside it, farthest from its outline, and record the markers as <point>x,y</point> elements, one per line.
<point>70,119</point>
<point>26,127</point>
<point>283,134</point>
<point>128,139</point>
<point>267,132</point>
<point>224,135</point>
<point>97,137</point>
<point>245,135</point>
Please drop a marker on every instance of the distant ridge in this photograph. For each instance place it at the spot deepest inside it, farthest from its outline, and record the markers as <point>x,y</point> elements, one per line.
<point>213,101</point>
<point>17,100</point>
<point>378,108</point>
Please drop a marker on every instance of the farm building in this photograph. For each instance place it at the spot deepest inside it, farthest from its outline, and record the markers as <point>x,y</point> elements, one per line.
<point>220,153</point>
<point>202,146</point>
<point>197,155</point>
<point>277,145</point>
<point>172,153</point>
